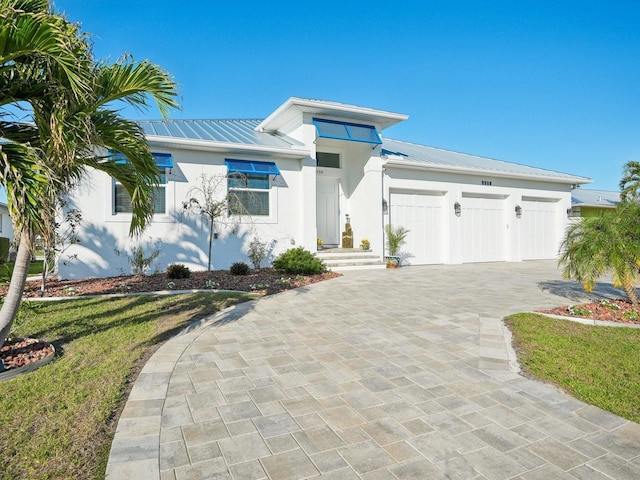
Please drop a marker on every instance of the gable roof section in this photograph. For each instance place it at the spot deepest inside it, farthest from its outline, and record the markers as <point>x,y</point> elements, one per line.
<point>594,198</point>
<point>410,155</point>
<point>296,106</point>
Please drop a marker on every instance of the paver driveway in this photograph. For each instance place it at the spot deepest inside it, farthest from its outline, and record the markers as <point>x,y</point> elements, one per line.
<point>375,375</point>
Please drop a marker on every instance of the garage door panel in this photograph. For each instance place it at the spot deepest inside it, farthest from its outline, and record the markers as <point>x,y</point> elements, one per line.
<point>483,229</point>
<point>422,215</point>
<point>539,231</point>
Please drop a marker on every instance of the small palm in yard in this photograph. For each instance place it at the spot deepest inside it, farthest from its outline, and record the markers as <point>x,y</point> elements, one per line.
<point>607,243</point>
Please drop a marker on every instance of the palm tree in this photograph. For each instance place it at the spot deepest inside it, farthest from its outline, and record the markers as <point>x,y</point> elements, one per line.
<point>71,132</point>
<point>605,243</point>
<point>630,182</point>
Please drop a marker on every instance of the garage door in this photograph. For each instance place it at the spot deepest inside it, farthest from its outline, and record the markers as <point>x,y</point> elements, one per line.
<point>422,214</point>
<point>538,227</point>
<point>484,228</point>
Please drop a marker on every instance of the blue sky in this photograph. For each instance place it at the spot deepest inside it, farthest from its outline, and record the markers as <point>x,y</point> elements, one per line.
<point>550,84</point>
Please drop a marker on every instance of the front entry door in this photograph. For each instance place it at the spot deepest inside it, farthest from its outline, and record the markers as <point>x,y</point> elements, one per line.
<point>328,210</point>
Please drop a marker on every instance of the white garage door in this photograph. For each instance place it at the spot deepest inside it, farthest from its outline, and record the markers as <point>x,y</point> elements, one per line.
<point>539,232</point>
<point>422,214</point>
<point>484,228</point>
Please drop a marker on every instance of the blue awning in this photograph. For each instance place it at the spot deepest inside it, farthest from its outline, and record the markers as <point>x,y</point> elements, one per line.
<point>163,160</point>
<point>352,132</point>
<point>252,166</point>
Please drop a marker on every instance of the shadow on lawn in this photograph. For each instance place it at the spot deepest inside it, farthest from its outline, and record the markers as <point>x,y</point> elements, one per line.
<point>65,332</point>
<point>573,291</point>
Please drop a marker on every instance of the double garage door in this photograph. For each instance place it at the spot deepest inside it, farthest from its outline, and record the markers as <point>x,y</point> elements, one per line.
<point>484,234</point>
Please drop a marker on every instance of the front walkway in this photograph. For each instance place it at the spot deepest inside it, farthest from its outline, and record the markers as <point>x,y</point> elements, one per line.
<point>375,375</point>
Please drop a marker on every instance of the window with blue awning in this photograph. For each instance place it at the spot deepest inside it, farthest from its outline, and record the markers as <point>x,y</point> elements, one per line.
<point>248,167</point>
<point>163,160</point>
<point>353,132</point>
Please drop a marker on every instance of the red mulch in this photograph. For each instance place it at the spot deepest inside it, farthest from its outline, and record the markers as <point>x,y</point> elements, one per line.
<point>621,311</point>
<point>265,280</point>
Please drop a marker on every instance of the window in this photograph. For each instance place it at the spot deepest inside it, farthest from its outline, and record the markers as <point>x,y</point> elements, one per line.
<point>330,160</point>
<point>248,193</point>
<point>353,132</point>
<point>249,183</point>
<point>121,198</point>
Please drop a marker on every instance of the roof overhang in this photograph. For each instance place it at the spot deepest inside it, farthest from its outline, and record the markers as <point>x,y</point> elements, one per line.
<point>295,106</point>
<point>399,162</point>
<point>227,148</point>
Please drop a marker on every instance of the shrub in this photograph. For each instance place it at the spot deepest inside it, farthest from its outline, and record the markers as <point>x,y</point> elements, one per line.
<point>258,251</point>
<point>299,261</point>
<point>5,244</point>
<point>178,270</point>
<point>239,268</point>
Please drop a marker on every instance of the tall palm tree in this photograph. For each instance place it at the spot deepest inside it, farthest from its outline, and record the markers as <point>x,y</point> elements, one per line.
<point>605,243</point>
<point>72,131</point>
<point>630,182</point>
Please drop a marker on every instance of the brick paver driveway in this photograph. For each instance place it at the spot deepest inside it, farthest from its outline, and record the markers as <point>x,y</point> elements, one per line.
<point>376,375</point>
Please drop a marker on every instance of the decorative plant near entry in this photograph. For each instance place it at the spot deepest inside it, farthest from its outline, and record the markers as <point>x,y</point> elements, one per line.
<point>319,243</point>
<point>365,244</point>
<point>395,239</point>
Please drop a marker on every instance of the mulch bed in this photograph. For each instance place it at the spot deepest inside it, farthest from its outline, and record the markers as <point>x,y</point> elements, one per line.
<point>620,311</point>
<point>266,281</point>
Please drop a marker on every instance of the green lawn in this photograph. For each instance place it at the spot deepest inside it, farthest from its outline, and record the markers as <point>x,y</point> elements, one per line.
<point>599,365</point>
<point>6,269</point>
<point>58,421</point>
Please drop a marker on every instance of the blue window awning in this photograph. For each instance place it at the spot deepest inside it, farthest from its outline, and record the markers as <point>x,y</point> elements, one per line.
<point>163,160</point>
<point>252,167</point>
<point>352,132</point>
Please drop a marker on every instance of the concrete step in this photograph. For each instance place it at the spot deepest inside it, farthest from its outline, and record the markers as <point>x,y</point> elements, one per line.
<point>350,259</point>
<point>368,266</point>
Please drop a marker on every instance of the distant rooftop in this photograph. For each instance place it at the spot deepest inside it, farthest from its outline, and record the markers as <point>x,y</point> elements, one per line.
<point>583,197</point>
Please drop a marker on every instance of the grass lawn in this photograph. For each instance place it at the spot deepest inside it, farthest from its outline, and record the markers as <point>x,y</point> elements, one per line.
<point>58,422</point>
<point>6,269</point>
<point>599,365</point>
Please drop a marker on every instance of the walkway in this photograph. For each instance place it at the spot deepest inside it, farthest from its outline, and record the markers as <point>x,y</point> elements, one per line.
<point>400,374</point>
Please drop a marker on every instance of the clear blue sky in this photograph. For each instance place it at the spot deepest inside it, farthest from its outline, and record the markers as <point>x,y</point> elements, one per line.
<point>549,84</point>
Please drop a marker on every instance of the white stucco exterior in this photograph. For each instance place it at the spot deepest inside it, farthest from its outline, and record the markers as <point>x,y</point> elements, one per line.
<point>372,185</point>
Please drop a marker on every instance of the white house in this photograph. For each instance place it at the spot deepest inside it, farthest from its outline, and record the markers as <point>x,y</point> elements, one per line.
<point>306,167</point>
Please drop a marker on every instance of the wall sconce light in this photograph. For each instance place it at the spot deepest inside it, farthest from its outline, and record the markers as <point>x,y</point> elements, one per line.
<point>457,208</point>
<point>569,212</point>
<point>518,211</point>
<point>385,207</point>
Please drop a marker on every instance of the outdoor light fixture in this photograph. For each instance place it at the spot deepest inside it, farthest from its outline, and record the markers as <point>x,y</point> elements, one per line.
<point>569,212</point>
<point>457,208</point>
<point>518,211</point>
<point>385,207</point>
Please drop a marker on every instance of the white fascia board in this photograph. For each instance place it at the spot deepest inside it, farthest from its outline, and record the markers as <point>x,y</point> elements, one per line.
<point>478,172</point>
<point>294,106</point>
<point>209,146</point>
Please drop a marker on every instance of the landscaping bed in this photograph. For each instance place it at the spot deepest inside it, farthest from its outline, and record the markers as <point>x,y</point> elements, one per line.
<point>620,311</point>
<point>265,280</point>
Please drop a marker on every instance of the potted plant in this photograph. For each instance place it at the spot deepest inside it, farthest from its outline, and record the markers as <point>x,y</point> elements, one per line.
<point>319,242</point>
<point>365,244</point>
<point>395,239</point>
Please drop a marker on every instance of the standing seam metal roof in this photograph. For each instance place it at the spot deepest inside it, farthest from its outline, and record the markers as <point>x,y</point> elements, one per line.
<point>226,131</point>
<point>243,131</point>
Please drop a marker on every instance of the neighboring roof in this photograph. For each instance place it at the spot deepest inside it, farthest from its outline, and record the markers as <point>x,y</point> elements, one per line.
<point>295,106</point>
<point>581,197</point>
<point>405,154</point>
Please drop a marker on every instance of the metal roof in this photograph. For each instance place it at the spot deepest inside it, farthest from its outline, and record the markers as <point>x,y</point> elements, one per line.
<point>243,132</point>
<point>581,197</point>
<point>421,155</point>
<point>225,131</point>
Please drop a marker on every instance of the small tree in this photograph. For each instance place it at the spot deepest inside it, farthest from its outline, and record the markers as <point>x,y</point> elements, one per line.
<point>258,251</point>
<point>65,234</point>
<point>210,201</point>
<point>605,243</point>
